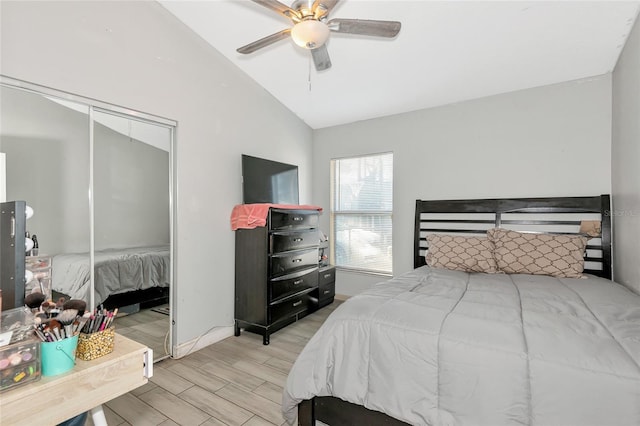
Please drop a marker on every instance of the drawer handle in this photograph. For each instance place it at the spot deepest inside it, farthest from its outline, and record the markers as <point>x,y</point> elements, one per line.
<point>297,240</point>
<point>298,303</point>
<point>327,275</point>
<point>327,292</point>
<point>296,260</point>
<point>298,218</point>
<point>296,282</point>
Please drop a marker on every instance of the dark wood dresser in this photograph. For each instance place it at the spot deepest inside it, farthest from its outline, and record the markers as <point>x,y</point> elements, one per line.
<point>277,272</point>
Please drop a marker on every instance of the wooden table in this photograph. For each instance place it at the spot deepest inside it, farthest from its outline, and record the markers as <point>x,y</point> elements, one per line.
<point>53,399</point>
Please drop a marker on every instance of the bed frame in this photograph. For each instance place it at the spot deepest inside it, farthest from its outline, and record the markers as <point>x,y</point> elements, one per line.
<point>542,215</point>
<point>132,300</point>
<point>562,215</point>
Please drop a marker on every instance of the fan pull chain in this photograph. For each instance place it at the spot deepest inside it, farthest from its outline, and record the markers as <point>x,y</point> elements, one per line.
<point>309,75</point>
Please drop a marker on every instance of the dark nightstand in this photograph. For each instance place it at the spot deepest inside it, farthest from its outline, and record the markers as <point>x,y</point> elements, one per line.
<point>326,285</point>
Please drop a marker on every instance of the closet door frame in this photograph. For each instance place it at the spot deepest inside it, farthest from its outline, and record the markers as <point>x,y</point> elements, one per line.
<point>94,105</point>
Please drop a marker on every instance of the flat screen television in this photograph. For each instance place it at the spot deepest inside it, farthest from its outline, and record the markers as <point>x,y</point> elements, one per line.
<point>266,181</point>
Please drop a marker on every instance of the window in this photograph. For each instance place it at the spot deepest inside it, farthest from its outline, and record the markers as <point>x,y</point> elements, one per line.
<point>361,210</point>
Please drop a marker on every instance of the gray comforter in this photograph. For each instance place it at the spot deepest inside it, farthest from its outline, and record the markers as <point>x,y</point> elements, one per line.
<point>439,347</point>
<point>116,271</point>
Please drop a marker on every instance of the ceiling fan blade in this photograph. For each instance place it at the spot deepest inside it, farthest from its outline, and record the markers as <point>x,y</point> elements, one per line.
<point>365,27</point>
<point>264,42</point>
<point>280,8</point>
<point>321,58</point>
<point>323,7</point>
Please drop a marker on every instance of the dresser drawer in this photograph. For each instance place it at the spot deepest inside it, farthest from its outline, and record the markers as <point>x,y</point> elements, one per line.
<point>327,291</point>
<point>292,306</point>
<point>327,275</point>
<point>284,263</point>
<point>293,283</point>
<point>292,240</point>
<point>293,219</point>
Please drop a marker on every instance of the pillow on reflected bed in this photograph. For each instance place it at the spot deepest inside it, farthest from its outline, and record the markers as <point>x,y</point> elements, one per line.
<point>538,254</point>
<point>468,254</point>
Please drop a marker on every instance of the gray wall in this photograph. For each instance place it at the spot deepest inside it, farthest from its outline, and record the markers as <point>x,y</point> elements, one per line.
<point>136,54</point>
<point>47,154</point>
<point>548,141</point>
<point>625,163</point>
<point>131,191</point>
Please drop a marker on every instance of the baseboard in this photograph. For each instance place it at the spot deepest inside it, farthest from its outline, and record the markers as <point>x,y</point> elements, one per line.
<point>341,297</point>
<point>215,335</point>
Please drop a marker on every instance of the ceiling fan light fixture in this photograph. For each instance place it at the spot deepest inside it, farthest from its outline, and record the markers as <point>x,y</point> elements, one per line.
<point>310,34</point>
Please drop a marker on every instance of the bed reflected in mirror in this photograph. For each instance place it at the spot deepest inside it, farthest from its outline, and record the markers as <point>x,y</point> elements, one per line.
<point>99,181</point>
<point>132,225</point>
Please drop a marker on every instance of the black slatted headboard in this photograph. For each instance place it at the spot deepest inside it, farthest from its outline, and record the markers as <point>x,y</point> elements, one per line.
<point>544,215</point>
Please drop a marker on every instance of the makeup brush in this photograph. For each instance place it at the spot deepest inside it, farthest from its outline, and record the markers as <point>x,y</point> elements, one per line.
<point>66,318</point>
<point>45,308</point>
<point>112,316</point>
<point>54,328</point>
<point>77,304</point>
<point>83,320</point>
<point>40,334</point>
<point>34,300</point>
<point>89,324</point>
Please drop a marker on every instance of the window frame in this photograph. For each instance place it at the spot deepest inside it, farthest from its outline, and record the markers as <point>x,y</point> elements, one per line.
<point>345,213</point>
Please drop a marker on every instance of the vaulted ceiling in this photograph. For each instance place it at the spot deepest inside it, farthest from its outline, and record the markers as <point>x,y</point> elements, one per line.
<point>446,51</point>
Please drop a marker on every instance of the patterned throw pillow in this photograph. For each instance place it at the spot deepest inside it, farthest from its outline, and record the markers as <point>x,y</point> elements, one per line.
<point>538,254</point>
<point>468,254</point>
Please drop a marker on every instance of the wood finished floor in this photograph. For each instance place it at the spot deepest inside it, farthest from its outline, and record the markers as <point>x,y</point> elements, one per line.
<point>147,327</point>
<point>237,381</point>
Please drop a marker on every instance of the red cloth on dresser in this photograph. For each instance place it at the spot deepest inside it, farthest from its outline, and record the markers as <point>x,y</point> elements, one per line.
<point>249,216</point>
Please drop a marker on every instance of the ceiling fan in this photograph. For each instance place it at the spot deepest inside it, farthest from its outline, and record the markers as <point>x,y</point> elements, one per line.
<point>312,27</point>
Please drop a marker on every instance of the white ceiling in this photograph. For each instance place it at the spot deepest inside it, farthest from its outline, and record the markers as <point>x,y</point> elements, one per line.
<point>446,52</point>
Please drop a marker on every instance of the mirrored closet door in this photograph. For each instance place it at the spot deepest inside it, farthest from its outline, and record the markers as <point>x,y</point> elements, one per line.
<point>100,181</point>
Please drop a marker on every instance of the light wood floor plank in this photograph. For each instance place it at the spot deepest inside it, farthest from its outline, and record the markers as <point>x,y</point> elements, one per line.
<point>288,336</point>
<point>153,328</point>
<point>304,333</point>
<point>144,388</point>
<point>287,353</point>
<point>147,327</point>
<point>174,407</point>
<point>216,406</point>
<point>263,407</point>
<point>112,418</point>
<point>276,351</point>
<point>194,360</point>
<point>241,347</point>
<point>198,377</point>
<point>237,381</point>
<point>279,364</point>
<point>270,391</point>
<point>222,355</point>
<point>213,422</point>
<point>231,374</point>
<point>170,381</point>
<point>262,371</point>
<point>135,411</point>
<point>257,421</point>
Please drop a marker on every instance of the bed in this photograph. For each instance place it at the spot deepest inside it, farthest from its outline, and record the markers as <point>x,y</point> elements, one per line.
<point>445,347</point>
<point>118,272</point>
